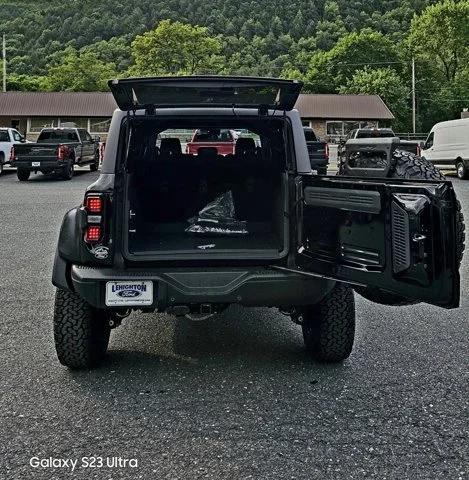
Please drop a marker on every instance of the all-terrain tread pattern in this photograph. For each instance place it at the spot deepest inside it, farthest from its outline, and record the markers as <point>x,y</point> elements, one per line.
<point>329,326</point>
<point>81,335</point>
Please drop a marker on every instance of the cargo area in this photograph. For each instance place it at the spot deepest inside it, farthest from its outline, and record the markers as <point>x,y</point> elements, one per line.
<point>207,203</point>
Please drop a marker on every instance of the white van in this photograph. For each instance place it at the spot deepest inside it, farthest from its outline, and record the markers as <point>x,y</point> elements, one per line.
<point>447,146</point>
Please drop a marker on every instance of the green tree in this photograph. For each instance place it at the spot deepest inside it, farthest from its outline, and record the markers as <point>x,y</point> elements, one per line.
<point>328,71</point>
<point>356,50</point>
<point>116,50</point>
<point>79,72</point>
<point>27,83</point>
<point>386,83</point>
<point>175,48</point>
<point>441,33</point>
<point>331,28</point>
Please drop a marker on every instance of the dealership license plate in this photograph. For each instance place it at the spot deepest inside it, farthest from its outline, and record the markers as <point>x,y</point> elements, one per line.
<point>129,293</point>
<point>35,164</point>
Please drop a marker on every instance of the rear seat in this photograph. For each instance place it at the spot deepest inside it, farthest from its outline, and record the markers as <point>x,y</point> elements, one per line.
<point>253,187</point>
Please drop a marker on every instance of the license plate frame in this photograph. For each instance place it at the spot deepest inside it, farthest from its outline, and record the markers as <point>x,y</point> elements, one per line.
<point>129,293</point>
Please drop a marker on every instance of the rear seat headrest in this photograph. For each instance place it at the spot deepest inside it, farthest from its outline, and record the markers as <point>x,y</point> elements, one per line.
<point>170,147</point>
<point>245,146</point>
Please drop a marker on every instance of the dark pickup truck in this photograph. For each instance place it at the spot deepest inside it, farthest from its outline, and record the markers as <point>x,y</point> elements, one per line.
<point>57,150</point>
<point>318,151</point>
<point>411,146</point>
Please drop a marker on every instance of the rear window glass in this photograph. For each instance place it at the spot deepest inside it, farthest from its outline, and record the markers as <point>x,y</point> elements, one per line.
<point>4,137</point>
<point>310,136</point>
<point>224,140</point>
<point>57,136</point>
<point>212,135</point>
<point>375,133</point>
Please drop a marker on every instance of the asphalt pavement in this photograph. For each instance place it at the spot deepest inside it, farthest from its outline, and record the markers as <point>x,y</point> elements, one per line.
<point>234,397</point>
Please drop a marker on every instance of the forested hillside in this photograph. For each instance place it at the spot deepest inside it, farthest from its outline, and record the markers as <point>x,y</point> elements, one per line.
<point>333,45</point>
<point>37,29</point>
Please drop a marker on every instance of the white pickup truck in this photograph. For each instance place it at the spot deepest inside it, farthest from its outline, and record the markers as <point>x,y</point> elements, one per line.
<point>8,138</point>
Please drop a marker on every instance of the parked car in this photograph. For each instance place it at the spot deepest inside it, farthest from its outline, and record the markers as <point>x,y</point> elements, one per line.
<point>448,145</point>
<point>163,231</point>
<point>57,150</point>
<point>8,138</point>
<point>318,151</point>
<point>221,139</point>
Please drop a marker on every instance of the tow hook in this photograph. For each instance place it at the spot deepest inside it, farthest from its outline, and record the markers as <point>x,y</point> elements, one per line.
<point>116,318</point>
<point>114,322</point>
<point>297,317</point>
<point>295,314</point>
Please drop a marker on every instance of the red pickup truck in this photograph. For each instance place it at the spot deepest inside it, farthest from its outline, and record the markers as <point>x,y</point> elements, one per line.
<point>222,139</point>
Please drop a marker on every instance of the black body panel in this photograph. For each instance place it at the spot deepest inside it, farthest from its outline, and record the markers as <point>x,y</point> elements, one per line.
<point>395,235</point>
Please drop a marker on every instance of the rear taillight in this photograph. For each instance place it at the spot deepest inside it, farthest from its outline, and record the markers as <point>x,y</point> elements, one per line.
<point>93,233</point>
<point>327,150</point>
<point>94,206</point>
<point>62,152</point>
<point>12,154</point>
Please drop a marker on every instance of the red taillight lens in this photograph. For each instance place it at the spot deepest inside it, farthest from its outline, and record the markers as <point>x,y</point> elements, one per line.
<point>62,152</point>
<point>93,233</point>
<point>327,150</point>
<point>12,154</point>
<point>94,204</point>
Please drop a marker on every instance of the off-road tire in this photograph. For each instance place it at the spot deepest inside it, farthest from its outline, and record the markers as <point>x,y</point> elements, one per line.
<point>67,171</point>
<point>23,175</point>
<point>329,326</point>
<point>81,332</point>
<point>409,166</point>
<point>95,165</point>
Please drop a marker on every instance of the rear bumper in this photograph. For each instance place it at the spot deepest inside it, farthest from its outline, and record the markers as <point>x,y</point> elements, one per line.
<point>249,287</point>
<point>43,165</point>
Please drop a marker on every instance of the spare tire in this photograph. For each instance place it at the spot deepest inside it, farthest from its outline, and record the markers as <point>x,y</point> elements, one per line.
<point>409,166</point>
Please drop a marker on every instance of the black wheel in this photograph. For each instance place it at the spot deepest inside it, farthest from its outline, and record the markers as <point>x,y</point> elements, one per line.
<point>410,166</point>
<point>329,326</point>
<point>81,332</point>
<point>67,171</point>
<point>461,170</point>
<point>23,175</point>
<point>322,171</point>
<point>2,161</point>
<point>95,165</point>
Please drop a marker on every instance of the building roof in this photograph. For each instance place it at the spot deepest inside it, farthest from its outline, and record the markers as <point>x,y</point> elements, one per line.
<point>343,107</point>
<point>56,104</point>
<point>102,104</point>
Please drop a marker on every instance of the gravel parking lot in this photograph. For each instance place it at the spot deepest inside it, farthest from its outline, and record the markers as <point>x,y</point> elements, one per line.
<point>232,397</point>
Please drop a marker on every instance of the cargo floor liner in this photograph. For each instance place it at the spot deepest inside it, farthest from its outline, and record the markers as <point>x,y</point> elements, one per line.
<point>172,237</point>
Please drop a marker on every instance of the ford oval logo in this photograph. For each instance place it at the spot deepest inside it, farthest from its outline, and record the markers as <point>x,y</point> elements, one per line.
<point>129,293</point>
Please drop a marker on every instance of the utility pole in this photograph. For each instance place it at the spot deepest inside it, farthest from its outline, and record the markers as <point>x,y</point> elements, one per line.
<point>413,94</point>
<point>4,57</point>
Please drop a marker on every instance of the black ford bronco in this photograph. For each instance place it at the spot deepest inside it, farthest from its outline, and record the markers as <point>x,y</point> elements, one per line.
<point>189,235</point>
